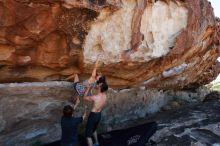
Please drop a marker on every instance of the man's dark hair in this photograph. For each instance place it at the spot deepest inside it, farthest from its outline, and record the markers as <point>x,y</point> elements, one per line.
<point>101,80</point>
<point>68,111</point>
<point>104,87</point>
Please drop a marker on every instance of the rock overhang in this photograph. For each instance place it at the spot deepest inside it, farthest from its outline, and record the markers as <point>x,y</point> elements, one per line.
<point>162,44</point>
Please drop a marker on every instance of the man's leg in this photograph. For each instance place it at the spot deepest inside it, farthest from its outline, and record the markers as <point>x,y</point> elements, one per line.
<point>97,120</point>
<point>89,141</point>
<point>96,138</point>
<point>89,129</point>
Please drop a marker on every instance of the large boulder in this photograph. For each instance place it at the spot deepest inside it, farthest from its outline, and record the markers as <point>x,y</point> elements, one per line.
<point>30,113</point>
<point>161,44</point>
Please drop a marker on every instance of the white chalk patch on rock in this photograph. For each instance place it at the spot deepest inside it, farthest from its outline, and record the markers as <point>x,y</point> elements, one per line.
<point>160,25</point>
<point>175,70</point>
<point>110,36</point>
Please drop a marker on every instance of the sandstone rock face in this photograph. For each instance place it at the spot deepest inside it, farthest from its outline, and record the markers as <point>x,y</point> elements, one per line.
<point>161,44</point>
<point>31,112</point>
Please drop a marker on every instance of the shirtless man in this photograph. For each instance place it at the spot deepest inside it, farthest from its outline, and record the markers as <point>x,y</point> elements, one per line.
<point>94,118</point>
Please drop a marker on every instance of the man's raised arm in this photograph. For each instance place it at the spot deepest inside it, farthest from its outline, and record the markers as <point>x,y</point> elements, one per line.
<point>94,72</point>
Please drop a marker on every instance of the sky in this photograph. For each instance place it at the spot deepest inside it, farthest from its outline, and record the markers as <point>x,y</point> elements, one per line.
<point>216,6</point>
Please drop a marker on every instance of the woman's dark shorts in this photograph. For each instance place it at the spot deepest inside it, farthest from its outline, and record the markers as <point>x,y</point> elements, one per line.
<point>80,88</point>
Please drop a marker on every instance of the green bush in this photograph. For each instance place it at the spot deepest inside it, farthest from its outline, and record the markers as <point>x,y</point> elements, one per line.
<point>215,86</point>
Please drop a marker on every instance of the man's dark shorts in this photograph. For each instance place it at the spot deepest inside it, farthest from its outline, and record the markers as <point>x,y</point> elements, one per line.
<point>93,121</point>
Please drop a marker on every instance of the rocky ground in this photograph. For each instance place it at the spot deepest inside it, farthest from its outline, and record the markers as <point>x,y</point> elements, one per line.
<point>196,124</point>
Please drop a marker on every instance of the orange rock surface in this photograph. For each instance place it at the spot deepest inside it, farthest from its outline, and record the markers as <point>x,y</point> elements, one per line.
<point>161,44</point>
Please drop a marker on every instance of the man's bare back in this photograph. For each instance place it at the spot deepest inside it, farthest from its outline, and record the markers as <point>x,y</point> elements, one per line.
<point>99,102</point>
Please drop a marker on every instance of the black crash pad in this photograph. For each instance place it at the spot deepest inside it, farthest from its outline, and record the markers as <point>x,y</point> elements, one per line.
<point>134,136</point>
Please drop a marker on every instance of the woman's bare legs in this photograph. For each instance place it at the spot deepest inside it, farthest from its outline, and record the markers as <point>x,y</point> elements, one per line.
<point>76,78</point>
<point>70,77</point>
